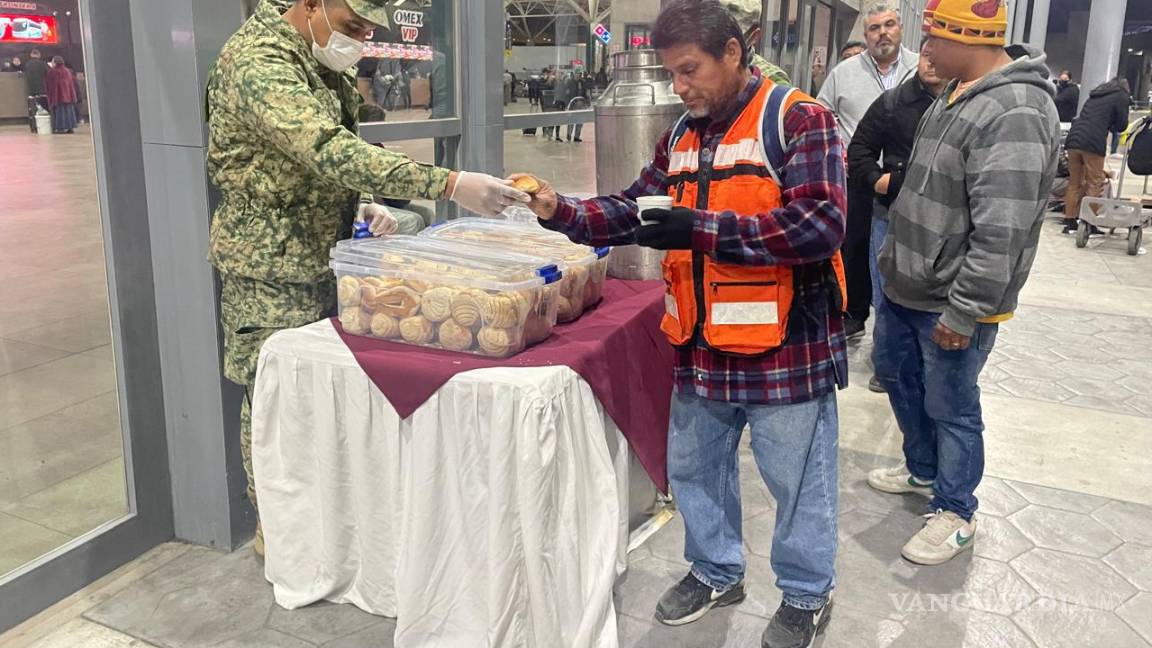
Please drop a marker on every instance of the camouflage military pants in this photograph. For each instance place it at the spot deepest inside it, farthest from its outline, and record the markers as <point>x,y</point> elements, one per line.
<point>251,310</point>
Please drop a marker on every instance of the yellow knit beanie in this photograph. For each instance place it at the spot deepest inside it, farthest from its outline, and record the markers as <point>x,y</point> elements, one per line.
<point>972,22</point>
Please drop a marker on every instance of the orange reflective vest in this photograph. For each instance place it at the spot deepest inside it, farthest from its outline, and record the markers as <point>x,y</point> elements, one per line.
<point>738,309</point>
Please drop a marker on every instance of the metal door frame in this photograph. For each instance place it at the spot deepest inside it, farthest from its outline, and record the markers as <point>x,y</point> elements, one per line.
<point>116,132</point>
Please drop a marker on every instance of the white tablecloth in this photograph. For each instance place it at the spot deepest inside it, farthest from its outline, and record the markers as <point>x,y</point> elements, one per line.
<point>496,515</point>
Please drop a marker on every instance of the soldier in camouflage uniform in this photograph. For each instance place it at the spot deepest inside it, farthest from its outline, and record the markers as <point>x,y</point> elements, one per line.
<point>752,39</point>
<point>293,173</point>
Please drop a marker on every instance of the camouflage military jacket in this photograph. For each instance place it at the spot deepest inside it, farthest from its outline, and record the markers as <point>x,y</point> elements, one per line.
<point>768,70</point>
<point>284,153</point>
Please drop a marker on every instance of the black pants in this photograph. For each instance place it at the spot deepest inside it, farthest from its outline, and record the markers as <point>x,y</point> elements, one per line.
<point>858,232</point>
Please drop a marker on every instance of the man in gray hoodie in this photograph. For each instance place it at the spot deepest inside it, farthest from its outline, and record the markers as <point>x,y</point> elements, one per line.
<point>961,240</point>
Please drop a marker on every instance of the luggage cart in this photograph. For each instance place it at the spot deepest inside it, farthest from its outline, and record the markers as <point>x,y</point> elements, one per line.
<point>1115,214</point>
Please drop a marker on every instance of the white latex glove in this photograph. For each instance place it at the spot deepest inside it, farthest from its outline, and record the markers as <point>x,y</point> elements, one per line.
<point>380,221</point>
<point>484,194</point>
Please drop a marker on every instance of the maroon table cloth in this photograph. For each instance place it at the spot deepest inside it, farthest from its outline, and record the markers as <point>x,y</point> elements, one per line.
<point>617,348</point>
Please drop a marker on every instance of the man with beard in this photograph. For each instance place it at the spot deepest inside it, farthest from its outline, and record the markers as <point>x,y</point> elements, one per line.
<point>849,90</point>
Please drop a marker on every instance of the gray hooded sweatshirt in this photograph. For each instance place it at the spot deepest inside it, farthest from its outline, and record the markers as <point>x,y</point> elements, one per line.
<point>962,235</point>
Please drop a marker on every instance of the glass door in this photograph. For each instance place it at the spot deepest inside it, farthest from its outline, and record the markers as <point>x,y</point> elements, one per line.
<point>83,464</point>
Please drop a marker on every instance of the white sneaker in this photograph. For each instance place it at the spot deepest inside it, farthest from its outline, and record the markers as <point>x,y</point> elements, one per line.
<point>944,535</point>
<point>898,480</point>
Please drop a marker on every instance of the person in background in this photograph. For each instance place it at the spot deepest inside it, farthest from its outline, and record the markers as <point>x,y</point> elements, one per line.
<point>1105,111</point>
<point>61,89</point>
<point>852,48</point>
<point>602,77</point>
<point>577,95</point>
<point>560,98</point>
<point>753,39</point>
<point>849,90</point>
<point>1067,97</point>
<point>879,152</point>
<point>962,237</point>
<point>440,98</point>
<point>293,174</point>
<point>365,73</point>
<point>35,77</point>
<point>778,373</point>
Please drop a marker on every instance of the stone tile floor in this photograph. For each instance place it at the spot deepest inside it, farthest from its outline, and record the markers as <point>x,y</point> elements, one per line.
<point>1050,568</point>
<point>1064,551</point>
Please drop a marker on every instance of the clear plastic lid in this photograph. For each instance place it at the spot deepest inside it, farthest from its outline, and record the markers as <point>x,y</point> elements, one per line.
<point>412,258</point>
<point>514,234</point>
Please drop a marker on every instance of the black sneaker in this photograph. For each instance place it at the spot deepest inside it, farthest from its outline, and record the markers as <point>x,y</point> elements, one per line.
<point>874,385</point>
<point>853,328</point>
<point>690,599</point>
<point>1070,226</point>
<point>795,628</point>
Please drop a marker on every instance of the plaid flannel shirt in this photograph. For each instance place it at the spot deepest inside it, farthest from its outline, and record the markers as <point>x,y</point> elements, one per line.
<point>804,233</point>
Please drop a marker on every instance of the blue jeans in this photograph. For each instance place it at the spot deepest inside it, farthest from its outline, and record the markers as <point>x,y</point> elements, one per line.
<point>879,231</point>
<point>936,401</point>
<point>795,450</point>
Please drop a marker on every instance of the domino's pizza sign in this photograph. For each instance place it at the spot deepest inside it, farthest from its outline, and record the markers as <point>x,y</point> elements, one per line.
<point>602,33</point>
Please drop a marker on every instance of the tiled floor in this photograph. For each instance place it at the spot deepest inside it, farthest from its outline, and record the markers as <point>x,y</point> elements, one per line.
<point>61,468</point>
<point>1062,557</point>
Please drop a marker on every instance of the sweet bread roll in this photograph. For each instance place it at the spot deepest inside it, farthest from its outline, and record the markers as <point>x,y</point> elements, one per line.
<point>380,283</point>
<point>354,321</point>
<point>385,326</point>
<point>466,307</point>
<point>528,184</point>
<point>436,304</point>
<point>593,291</point>
<point>417,330</point>
<point>567,308</point>
<point>536,329</point>
<point>348,291</point>
<point>399,302</point>
<point>454,337</point>
<point>418,286</point>
<point>499,311</point>
<point>498,342</point>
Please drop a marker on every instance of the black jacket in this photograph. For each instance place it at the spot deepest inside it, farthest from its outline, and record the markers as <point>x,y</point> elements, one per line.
<point>1067,100</point>
<point>888,129</point>
<point>1105,111</point>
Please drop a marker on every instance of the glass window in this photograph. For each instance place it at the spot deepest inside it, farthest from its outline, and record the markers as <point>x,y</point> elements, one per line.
<point>61,442</point>
<point>409,69</point>
<point>638,37</point>
<point>553,57</point>
<point>569,166</point>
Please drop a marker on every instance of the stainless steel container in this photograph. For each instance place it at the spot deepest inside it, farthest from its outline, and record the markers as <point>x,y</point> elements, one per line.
<point>631,115</point>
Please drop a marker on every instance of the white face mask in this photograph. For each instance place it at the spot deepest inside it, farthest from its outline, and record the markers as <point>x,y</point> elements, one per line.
<point>341,52</point>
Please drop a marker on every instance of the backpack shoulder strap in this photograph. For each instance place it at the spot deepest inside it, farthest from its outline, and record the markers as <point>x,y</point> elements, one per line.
<point>679,127</point>
<point>773,143</point>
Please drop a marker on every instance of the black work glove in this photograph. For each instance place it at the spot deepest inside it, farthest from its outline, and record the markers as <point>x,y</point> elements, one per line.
<point>672,230</point>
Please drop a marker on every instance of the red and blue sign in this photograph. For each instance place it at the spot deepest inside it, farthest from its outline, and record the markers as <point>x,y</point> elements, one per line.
<point>602,33</point>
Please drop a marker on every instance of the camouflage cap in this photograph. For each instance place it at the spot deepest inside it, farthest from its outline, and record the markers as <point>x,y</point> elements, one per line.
<point>374,11</point>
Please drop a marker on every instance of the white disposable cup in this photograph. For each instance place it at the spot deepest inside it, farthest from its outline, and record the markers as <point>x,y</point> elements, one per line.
<point>644,203</point>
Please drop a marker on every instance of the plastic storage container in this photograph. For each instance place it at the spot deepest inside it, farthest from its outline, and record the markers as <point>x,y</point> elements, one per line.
<point>399,289</point>
<point>583,284</point>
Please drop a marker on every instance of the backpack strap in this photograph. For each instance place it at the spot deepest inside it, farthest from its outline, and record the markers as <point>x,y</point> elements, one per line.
<point>679,128</point>
<point>772,140</point>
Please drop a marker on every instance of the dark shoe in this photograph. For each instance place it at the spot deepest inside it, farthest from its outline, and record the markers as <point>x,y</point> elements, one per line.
<point>1070,226</point>
<point>853,328</point>
<point>690,599</point>
<point>577,140</point>
<point>795,628</point>
<point>875,386</point>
